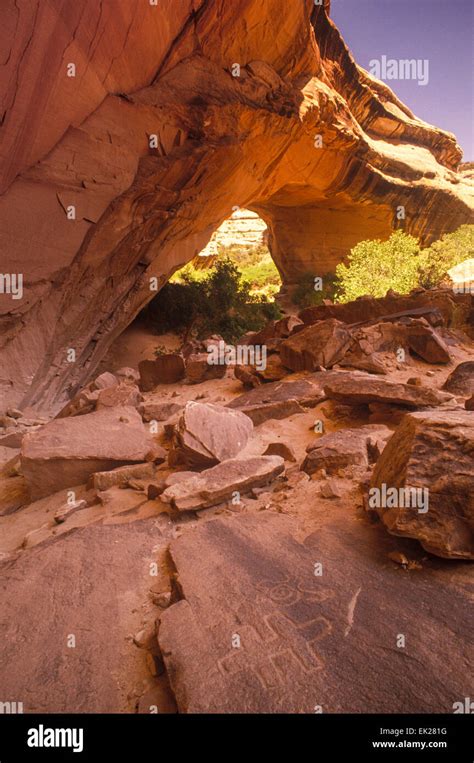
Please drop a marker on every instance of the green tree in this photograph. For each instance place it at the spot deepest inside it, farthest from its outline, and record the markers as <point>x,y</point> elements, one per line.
<point>376,266</point>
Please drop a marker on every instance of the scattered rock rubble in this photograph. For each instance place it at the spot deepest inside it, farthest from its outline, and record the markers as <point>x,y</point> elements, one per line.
<point>240,494</point>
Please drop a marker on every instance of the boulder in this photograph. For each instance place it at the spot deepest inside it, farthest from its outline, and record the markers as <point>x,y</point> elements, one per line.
<point>285,326</point>
<point>164,369</point>
<point>248,376</point>
<point>348,447</point>
<point>67,451</point>
<point>431,452</point>
<point>128,374</point>
<point>274,330</point>
<point>461,380</point>
<point>355,389</point>
<point>85,401</point>
<point>373,348</point>
<point>274,370</point>
<point>425,342</point>
<point>220,483</point>
<point>207,434</point>
<point>67,509</point>
<point>251,376</point>
<point>199,370</point>
<point>104,381</point>
<point>323,344</point>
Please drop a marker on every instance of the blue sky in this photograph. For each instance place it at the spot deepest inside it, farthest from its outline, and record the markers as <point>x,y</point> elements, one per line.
<point>438,30</point>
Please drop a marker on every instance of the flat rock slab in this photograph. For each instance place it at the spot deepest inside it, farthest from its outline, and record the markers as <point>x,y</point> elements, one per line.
<point>278,400</point>
<point>357,390</point>
<point>218,484</point>
<point>65,452</point>
<point>257,632</point>
<point>86,584</point>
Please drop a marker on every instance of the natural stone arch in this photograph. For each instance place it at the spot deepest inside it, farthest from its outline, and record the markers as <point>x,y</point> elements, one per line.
<point>146,207</point>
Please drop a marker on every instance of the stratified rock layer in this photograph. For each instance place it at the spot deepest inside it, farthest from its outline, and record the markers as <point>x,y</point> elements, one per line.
<point>121,173</point>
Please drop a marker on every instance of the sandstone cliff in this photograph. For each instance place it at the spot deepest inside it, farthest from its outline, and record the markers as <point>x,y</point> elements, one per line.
<point>141,208</point>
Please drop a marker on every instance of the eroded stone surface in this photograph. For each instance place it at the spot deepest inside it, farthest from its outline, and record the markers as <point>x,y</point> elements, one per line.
<point>257,631</point>
<point>86,584</point>
<point>433,452</point>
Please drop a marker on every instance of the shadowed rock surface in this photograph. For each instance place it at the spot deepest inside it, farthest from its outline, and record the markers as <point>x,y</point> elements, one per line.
<point>75,587</point>
<point>304,640</point>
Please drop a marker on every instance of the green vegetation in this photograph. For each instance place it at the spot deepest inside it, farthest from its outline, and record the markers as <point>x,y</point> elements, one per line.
<point>254,263</point>
<point>218,301</point>
<point>235,296</point>
<point>450,250</point>
<point>374,267</point>
<point>377,266</point>
<point>307,294</point>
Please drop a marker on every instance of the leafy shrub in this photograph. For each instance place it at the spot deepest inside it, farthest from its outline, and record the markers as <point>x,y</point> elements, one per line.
<point>254,262</point>
<point>376,266</point>
<point>219,303</point>
<point>450,250</point>
<point>305,295</point>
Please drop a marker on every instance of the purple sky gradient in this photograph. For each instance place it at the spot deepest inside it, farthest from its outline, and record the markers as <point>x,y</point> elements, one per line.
<point>438,30</point>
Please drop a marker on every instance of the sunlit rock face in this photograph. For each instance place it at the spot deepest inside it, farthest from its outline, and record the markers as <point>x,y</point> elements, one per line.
<point>122,172</point>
